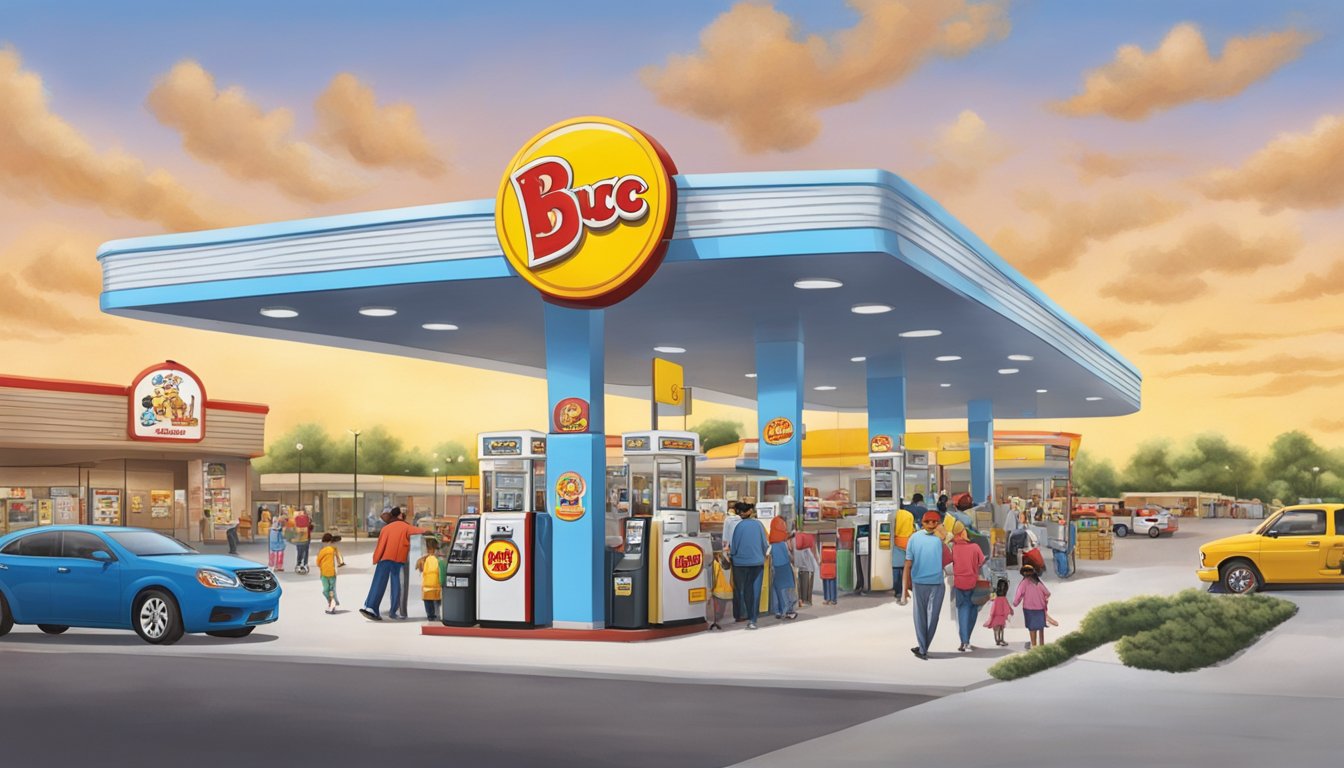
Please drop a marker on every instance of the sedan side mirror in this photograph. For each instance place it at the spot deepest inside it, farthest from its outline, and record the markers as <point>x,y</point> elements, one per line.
<point>1273,534</point>
<point>101,556</point>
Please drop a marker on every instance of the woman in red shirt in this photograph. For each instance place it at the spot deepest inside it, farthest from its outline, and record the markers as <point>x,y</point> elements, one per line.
<point>967,560</point>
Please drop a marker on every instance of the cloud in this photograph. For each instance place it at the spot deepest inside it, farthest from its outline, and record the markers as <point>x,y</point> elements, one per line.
<point>964,150</point>
<point>36,317</point>
<point>1293,383</point>
<point>59,262</point>
<point>1136,84</point>
<point>1315,286</point>
<point>1095,165</point>
<point>350,120</point>
<point>1071,227</point>
<point>1279,364</point>
<point>1329,425</point>
<point>1174,275</point>
<point>225,129</point>
<point>43,155</point>
<point>1302,170</point>
<point>1119,327</point>
<point>755,76</point>
<point>1232,341</point>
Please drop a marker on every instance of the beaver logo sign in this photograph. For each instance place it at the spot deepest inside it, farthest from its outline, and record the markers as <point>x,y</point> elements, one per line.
<point>686,561</point>
<point>585,210</point>
<point>501,558</point>
<point>880,444</point>
<point>167,404</point>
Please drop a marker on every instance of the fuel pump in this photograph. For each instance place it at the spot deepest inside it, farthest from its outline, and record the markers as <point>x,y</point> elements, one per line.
<point>513,563</point>
<point>459,581</point>
<point>661,480</point>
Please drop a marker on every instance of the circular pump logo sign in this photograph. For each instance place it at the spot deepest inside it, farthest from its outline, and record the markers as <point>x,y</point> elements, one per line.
<point>585,211</point>
<point>686,561</point>
<point>501,558</point>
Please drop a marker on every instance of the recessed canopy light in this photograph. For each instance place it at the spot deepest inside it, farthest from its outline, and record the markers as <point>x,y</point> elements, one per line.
<point>750,375</point>
<point>280,312</point>
<point>858,359</point>
<point>944,385</point>
<point>377,311</point>
<point>869,309</point>
<point>1092,399</point>
<point>1021,358</point>
<point>947,358</point>
<point>1007,371</point>
<point>670,350</point>
<point>817,283</point>
<point>920,334</point>
<point>1042,391</point>
<point>439,327</point>
<point>824,388</point>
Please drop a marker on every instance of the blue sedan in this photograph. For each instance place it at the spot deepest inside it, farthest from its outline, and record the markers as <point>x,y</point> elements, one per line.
<point>129,578</point>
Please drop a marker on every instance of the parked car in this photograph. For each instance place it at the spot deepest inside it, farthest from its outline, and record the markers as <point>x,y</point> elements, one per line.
<point>129,578</point>
<point>1149,519</point>
<point>1302,544</point>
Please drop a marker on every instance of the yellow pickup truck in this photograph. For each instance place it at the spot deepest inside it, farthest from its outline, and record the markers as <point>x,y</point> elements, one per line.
<point>1303,544</point>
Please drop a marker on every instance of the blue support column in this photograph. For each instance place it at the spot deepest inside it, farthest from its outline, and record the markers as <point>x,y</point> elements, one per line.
<point>575,364</point>
<point>779,395</point>
<point>980,431</point>
<point>886,400</point>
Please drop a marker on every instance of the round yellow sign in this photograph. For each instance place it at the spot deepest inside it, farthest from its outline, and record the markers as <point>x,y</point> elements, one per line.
<point>501,559</point>
<point>686,561</point>
<point>585,211</point>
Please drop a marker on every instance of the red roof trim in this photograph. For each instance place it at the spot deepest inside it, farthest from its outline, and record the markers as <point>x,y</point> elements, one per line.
<point>113,390</point>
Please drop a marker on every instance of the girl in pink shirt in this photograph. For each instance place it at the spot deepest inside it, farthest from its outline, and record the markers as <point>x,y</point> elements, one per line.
<point>999,611</point>
<point>1034,599</point>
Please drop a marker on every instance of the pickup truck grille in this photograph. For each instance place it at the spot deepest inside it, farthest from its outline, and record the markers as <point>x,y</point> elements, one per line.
<point>257,580</point>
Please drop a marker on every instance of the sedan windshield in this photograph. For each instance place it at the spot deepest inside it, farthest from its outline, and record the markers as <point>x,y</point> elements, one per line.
<point>149,543</point>
<point>1268,524</point>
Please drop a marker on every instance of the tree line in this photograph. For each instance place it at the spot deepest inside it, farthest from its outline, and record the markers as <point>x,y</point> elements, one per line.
<point>1292,467</point>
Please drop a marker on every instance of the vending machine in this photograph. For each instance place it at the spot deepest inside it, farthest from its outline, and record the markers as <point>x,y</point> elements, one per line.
<point>459,580</point>
<point>630,578</point>
<point>513,561</point>
<point>661,476</point>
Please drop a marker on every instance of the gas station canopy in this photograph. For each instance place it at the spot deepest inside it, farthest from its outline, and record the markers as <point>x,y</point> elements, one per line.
<point>740,247</point>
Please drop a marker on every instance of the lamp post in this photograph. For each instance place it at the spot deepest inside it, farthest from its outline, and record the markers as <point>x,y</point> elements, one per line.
<point>1315,473</point>
<point>436,493</point>
<point>299,447</point>
<point>354,503</point>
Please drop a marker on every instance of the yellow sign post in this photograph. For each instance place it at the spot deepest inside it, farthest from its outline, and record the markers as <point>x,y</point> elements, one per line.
<point>669,386</point>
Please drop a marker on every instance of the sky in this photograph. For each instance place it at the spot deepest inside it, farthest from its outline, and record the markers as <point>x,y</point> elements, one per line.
<point>1170,172</point>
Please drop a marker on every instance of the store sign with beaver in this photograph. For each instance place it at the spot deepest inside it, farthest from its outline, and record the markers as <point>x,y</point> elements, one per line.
<point>166,404</point>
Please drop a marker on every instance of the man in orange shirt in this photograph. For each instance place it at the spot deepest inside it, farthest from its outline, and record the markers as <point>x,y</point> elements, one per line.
<point>389,558</point>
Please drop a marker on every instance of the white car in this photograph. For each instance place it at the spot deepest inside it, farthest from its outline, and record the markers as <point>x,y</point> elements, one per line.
<point>1150,519</point>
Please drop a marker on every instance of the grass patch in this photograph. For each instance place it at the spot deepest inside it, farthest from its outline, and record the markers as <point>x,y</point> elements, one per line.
<point>1177,633</point>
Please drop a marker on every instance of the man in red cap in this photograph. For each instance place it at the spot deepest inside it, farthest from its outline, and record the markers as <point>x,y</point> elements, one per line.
<point>925,557</point>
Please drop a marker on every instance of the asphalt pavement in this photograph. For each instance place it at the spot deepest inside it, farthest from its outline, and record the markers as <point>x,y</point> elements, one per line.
<point>151,710</point>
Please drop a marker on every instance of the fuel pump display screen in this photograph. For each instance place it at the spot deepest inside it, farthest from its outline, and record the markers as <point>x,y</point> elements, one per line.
<point>508,492</point>
<point>463,552</point>
<point>634,539</point>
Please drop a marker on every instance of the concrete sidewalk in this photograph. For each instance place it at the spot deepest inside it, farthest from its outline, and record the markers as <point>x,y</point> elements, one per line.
<point>864,647</point>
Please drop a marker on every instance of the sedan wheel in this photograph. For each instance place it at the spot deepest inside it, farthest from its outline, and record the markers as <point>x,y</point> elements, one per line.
<point>52,629</point>
<point>1240,578</point>
<point>6,620</point>
<point>1154,532</point>
<point>157,619</point>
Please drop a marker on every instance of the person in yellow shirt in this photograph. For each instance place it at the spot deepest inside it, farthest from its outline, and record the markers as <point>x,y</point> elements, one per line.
<point>722,591</point>
<point>328,560</point>
<point>431,582</point>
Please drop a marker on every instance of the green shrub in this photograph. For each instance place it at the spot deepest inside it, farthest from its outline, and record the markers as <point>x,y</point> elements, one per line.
<point>1040,658</point>
<point>1200,633</point>
<point>1176,633</point>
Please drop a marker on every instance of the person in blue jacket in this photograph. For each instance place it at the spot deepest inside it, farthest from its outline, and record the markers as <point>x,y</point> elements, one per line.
<point>748,549</point>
